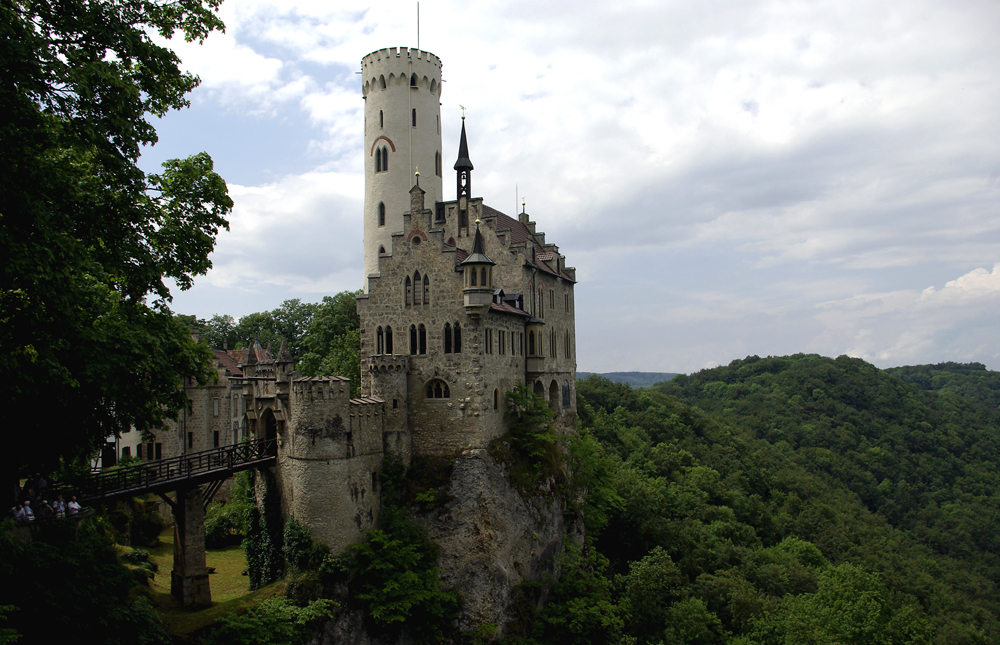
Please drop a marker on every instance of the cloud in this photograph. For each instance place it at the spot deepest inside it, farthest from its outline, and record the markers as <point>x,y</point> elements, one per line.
<point>728,178</point>
<point>902,326</point>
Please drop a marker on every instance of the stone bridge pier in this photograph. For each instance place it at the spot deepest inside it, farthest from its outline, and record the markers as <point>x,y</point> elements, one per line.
<point>189,577</point>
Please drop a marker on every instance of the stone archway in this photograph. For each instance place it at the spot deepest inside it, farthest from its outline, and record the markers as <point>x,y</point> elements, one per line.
<point>269,425</point>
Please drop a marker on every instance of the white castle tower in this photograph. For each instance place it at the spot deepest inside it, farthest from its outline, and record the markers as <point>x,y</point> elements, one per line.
<point>402,91</point>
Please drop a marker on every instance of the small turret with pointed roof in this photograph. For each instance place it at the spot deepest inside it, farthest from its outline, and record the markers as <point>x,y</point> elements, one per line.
<point>478,283</point>
<point>478,254</point>
<point>284,356</point>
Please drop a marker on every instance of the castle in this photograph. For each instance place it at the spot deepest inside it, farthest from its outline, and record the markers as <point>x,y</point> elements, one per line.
<point>461,304</point>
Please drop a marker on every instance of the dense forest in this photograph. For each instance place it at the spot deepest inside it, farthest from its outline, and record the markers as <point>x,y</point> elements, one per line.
<point>798,499</point>
<point>635,379</point>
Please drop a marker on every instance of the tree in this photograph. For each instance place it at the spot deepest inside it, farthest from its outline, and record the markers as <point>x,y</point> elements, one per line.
<point>332,343</point>
<point>88,344</point>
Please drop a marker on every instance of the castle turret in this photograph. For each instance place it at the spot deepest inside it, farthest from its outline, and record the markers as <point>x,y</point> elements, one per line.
<point>477,287</point>
<point>402,92</point>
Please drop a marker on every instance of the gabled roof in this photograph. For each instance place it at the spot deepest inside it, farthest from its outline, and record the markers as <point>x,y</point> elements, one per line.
<point>226,360</point>
<point>519,234</point>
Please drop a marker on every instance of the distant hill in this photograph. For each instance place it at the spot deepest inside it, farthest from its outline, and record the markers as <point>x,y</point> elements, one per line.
<point>635,379</point>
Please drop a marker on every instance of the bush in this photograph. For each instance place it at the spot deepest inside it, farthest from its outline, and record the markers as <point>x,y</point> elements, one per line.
<point>273,622</point>
<point>394,576</point>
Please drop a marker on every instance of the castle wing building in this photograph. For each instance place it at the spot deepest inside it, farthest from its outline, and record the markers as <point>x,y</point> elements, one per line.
<point>462,302</point>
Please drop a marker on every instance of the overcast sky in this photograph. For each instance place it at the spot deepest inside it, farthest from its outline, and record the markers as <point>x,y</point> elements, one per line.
<point>728,178</point>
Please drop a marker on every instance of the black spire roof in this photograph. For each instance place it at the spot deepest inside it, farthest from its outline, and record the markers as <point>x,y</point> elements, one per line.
<point>478,255</point>
<point>463,163</point>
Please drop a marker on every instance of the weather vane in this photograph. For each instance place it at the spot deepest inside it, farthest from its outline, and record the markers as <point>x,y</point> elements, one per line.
<point>463,111</point>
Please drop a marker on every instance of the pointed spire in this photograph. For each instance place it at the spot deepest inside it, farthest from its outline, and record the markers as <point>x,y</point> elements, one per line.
<point>284,356</point>
<point>478,254</point>
<point>252,353</point>
<point>463,163</point>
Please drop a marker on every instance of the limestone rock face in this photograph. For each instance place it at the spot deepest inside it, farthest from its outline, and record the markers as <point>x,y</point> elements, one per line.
<point>492,539</point>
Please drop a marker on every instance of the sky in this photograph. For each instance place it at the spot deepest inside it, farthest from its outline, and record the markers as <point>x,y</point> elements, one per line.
<point>728,178</point>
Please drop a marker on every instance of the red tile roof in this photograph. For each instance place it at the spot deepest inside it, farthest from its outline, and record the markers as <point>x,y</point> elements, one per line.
<point>228,361</point>
<point>508,309</point>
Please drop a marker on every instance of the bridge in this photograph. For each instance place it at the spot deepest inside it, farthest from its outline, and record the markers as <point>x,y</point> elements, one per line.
<point>184,475</point>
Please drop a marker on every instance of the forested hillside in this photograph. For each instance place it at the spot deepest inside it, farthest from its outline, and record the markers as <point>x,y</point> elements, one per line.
<point>799,499</point>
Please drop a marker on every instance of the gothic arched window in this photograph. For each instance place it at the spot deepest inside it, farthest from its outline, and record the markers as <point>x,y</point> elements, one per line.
<point>472,277</point>
<point>422,332</point>
<point>447,338</point>
<point>378,160</point>
<point>458,338</point>
<point>385,158</point>
<point>413,340</point>
<point>413,80</point>
<point>381,213</point>
<point>427,290</point>
<point>438,389</point>
<point>416,288</point>
<point>379,342</point>
<point>409,292</point>
<point>565,394</point>
<point>388,340</point>
<point>531,343</point>
<point>381,81</point>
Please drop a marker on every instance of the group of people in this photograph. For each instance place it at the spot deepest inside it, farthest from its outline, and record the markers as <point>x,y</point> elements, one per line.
<point>31,506</point>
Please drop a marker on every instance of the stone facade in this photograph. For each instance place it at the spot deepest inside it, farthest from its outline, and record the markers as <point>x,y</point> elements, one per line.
<point>461,304</point>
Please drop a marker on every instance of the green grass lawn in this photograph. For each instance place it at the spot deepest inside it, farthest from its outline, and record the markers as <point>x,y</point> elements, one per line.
<point>230,588</point>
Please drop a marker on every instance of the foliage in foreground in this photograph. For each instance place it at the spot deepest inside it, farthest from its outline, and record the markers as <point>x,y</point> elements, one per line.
<point>88,240</point>
<point>68,581</point>
<point>275,621</point>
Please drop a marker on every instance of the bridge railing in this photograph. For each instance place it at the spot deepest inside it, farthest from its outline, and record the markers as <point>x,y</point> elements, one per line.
<point>223,461</point>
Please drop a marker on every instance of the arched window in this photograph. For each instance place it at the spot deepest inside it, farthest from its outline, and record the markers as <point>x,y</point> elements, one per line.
<point>422,332</point>
<point>434,84</point>
<point>409,292</point>
<point>413,80</point>
<point>414,118</point>
<point>388,340</point>
<point>427,290</point>
<point>413,340</point>
<point>381,213</point>
<point>531,343</point>
<point>378,160</point>
<point>482,278</point>
<point>473,277</point>
<point>565,393</point>
<point>381,119</point>
<point>447,338</point>
<point>381,250</point>
<point>541,303</point>
<point>457,329</point>
<point>416,288</point>
<point>385,158</point>
<point>381,81</point>
<point>438,389</point>
<point>379,342</point>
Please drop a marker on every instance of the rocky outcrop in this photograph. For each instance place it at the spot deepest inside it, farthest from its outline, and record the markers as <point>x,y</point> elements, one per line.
<point>492,539</point>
